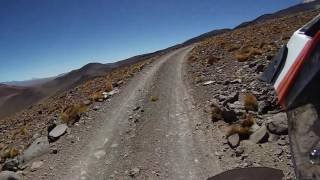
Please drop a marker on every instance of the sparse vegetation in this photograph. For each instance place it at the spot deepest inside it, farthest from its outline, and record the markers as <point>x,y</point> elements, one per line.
<point>71,114</point>
<point>250,102</point>
<point>97,96</point>
<point>246,53</point>
<point>109,86</point>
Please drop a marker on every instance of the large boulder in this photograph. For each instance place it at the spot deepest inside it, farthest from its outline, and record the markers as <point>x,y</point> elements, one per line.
<point>9,175</point>
<point>39,147</point>
<point>278,124</point>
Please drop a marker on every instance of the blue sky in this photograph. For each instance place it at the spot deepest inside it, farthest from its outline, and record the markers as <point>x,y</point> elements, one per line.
<point>42,38</point>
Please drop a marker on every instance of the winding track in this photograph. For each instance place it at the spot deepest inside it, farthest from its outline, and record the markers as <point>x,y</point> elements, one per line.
<point>161,143</point>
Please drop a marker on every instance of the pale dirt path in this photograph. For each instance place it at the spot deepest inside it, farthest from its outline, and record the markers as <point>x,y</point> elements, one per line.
<point>163,142</point>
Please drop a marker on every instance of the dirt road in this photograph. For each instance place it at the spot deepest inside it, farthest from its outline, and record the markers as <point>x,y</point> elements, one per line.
<point>134,137</point>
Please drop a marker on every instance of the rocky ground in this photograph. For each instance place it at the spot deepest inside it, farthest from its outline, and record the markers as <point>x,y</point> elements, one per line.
<point>224,73</point>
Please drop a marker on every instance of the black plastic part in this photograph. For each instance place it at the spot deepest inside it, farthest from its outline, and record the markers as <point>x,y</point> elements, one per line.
<point>272,72</point>
<point>312,27</point>
<point>253,173</point>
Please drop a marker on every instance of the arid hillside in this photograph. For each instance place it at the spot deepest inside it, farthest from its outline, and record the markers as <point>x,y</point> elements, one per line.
<point>224,71</point>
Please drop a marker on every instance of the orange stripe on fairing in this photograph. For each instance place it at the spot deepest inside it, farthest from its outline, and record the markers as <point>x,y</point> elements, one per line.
<point>292,74</point>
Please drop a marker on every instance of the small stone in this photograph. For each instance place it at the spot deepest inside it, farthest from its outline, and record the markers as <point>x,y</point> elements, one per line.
<point>54,150</point>
<point>136,108</point>
<point>278,124</point>
<point>234,140</point>
<point>9,175</point>
<point>261,135</point>
<point>87,102</point>
<point>239,151</point>
<point>208,83</point>
<point>278,152</point>
<point>96,108</point>
<point>264,107</point>
<point>58,131</point>
<point>99,154</point>
<point>134,172</point>
<point>36,165</point>
<point>282,142</point>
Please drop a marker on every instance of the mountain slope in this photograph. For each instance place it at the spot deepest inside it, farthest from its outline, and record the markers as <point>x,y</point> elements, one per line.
<point>291,10</point>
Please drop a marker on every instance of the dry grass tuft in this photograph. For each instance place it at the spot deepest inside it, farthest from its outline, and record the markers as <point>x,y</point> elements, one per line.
<point>154,98</point>
<point>248,121</point>
<point>109,86</point>
<point>9,152</point>
<point>97,96</point>
<point>213,59</point>
<point>250,102</point>
<point>238,129</point>
<point>246,53</point>
<point>72,113</point>
<point>216,113</point>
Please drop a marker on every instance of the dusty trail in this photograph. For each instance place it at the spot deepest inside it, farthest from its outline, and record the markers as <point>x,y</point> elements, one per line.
<point>158,139</point>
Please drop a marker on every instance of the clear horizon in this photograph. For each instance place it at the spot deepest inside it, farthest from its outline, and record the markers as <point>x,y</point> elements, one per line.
<point>40,39</point>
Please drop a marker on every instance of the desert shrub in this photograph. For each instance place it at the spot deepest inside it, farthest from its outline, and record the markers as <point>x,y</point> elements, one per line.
<point>97,96</point>
<point>250,102</point>
<point>72,113</point>
<point>246,53</point>
<point>233,48</point>
<point>238,129</point>
<point>248,121</point>
<point>108,85</point>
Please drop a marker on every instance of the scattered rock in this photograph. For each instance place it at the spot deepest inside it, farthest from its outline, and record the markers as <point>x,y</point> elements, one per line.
<point>36,165</point>
<point>9,175</point>
<point>96,108</point>
<point>278,124</point>
<point>264,107</point>
<point>11,165</point>
<point>261,135</point>
<point>99,154</point>
<point>136,108</point>
<point>231,98</point>
<point>282,142</point>
<point>259,68</point>
<point>134,172</point>
<point>39,147</point>
<point>58,131</point>
<point>278,152</point>
<point>54,150</point>
<point>239,150</point>
<point>234,140</point>
<point>87,102</point>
